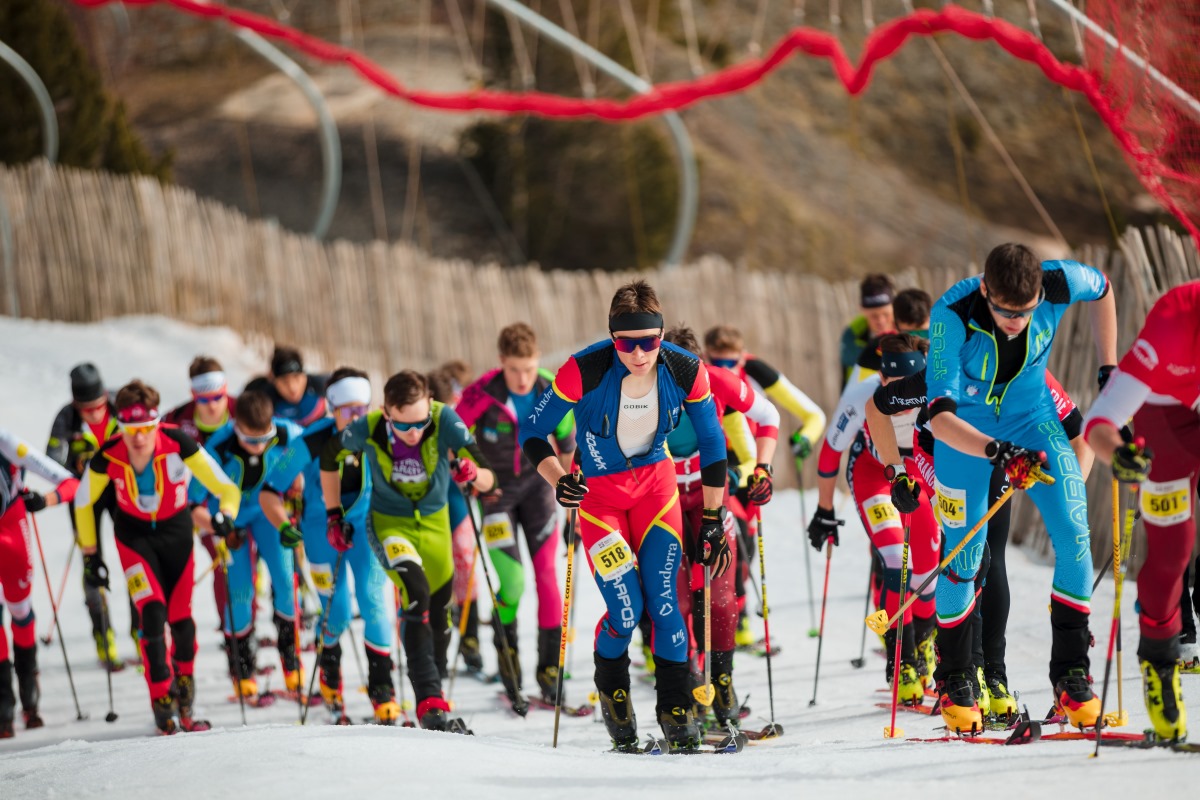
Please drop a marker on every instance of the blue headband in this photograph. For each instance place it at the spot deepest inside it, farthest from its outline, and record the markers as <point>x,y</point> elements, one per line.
<point>901,365</point>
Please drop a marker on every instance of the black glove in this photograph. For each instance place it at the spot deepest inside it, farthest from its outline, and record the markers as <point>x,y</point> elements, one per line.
<point>95,574</point>
<point>714,546</point>
<point>1018,463</point>
<point>906,493</point>
<point>570,489</point>
<point>734,474</point>
<point>801,446</point>
<point>1131,461</point>
<point>34,501</point>
<point>1102,375</point>
<point>222,526</point>
<point>824,526</point>
<point>761,487</point>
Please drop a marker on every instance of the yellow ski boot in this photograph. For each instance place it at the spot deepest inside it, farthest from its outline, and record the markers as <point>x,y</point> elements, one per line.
<point>1001,703</point>
<point>956,702</point>
<point>246,687</point>
<point>1073,696</point>
<point>911,691</point>
<point>1164,700</point>
<point>981,693</point>
<point>387,712</point>
<point>927,659</point>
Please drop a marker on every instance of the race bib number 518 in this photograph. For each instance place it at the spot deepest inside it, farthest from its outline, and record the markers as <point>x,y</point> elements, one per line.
<point>611,556</point>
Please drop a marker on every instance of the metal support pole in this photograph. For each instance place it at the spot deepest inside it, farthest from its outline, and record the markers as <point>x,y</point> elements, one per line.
<point>41,95</point>
<point>685,217</point>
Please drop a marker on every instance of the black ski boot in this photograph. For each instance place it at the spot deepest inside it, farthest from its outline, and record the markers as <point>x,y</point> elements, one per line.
<point>380,688</point>
<point>612,683</point>
<point>25,665</point>
<point>330,667</point>
<point>286,644</point>
<point>433,713</point>
<point>243,664</point>
<point>165,712</point>
<point>185,699</point>
<point>547,670</point>
<point>469,646</point>
<point>8,700</point>
<point>725,705</point>
<point>510,664</point>
<point>674,707</point>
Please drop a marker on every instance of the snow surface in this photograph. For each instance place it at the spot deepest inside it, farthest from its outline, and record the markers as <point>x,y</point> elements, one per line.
<point>836,746</point>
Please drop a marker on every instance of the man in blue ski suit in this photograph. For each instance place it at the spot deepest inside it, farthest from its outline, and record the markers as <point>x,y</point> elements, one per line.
<point>990,339</point>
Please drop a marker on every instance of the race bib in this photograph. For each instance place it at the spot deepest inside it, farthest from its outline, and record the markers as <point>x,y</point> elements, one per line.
<point>176,470</point>
<point>1166,503</point>
<point>951,506</point>
<point>322,575</point>
<point>611,556</point>
<point>138,583</point>
<point>880,513</point>
<point>497,530</point>
<point>398,550</point>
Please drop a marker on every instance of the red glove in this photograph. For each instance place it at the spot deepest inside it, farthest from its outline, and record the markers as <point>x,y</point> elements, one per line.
<point>464,471</point>
<point>338,530</point>
<point>66,490</point>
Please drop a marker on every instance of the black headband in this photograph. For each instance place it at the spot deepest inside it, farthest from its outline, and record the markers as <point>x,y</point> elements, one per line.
<point>635,321</point>
<point>876,300</point>
<point>901,365</point>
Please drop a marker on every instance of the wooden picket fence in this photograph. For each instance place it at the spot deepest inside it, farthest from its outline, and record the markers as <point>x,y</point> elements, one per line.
<point>87,246</point>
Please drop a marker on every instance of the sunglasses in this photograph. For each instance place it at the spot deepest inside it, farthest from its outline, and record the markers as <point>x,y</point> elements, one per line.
<point>727,363</point>
<point>404,427</point>
<point>134,428</point>
<point>629,344</point>
<point>206,399</point>
<point>93,409</point>
<point>1008,313</point>
<point>349,412</point>
<point>246,438</point>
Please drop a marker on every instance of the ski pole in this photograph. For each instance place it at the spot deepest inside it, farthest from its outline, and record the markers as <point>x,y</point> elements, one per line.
<point>62,588</point>
<point>400,658</point>
<point>773,729</point>
<point>234,656</point>
<point>705,693</point>
<point>572,522</point>
<point>571,621</point>
<point>322,629</point>
<point>105,627</point>
<point>300,701</point>
<point>362,676</point>
<point>859,662</point>
<point>812,606</point>
<point>891,731</point>
<point>1131,514</point>
<point>79,715</point>
<point>744,558</point>
<point>880,622</point>
<point>211,568</point>
<point>519,705</point>
<point>463,618</point>
<point>1115,631</point>
<point>821,630</point>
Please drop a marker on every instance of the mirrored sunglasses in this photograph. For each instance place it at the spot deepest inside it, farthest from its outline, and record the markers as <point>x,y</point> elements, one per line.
<point>246,438</point>
<point>404,427</point>
<point>629,344</point>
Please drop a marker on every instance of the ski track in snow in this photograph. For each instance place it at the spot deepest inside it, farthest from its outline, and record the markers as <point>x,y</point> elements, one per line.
<point>835,746</point>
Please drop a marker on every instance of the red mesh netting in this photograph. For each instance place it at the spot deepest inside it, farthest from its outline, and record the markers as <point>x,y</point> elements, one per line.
<point>1160,137</point>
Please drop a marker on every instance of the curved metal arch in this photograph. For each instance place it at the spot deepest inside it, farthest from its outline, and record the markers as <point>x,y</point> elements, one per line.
<point>41,95</point>
<point>689,180</point>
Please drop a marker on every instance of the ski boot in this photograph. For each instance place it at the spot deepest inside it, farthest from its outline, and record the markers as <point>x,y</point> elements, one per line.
<point>243,661</point>
<point>547,669</point>
<point>1001,703</point>
<point>380,688</point>
<point>472,656</point>
<point>674,707</point>
<point>612,684</point>
<point>911,692</point>
<point>743,636</point>
<point>1164,700</point>
<point>26,668</point>
<point>106,652</point>
<point>680,729</point>
<point>293,675</point>
<point>165,712</point>
<point>433,713</point>
<point>981,693</point>
<point>1073,697</point>
<point>926,654</point>
<point>329,673</point>
<point>725,706</point>
<point>1189,655</point>
<point>510,666</point>
<point>185,698</point>
<point>8,700</point>
<point>956,702</point>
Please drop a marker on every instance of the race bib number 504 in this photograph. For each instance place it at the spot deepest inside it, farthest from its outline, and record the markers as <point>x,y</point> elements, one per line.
<point>951,506</point>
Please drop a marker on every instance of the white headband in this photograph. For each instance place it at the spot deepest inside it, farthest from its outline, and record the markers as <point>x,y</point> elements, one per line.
<point>349,391</point>
<point>208,383</point>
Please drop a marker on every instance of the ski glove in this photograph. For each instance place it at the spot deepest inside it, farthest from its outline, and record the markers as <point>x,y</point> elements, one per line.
<point>34,501</point>
<point>222,525</point>
<point>824,527</point>
<point>570,489</point>
<point>801,446</point>
<point>1018,463</point>
<point>1131,461</point>
<point>338,530</point>
<point>1103,373</point>
<point>761,488</point>
<point>464,471</point>
<point>289,536</point>
<point>714,546</point>
<point>906,493</point>
<point>95,573</point>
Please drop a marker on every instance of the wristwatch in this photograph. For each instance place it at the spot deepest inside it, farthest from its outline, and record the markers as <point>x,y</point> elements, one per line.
<point>892,470</point>
<point>770,470</point>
